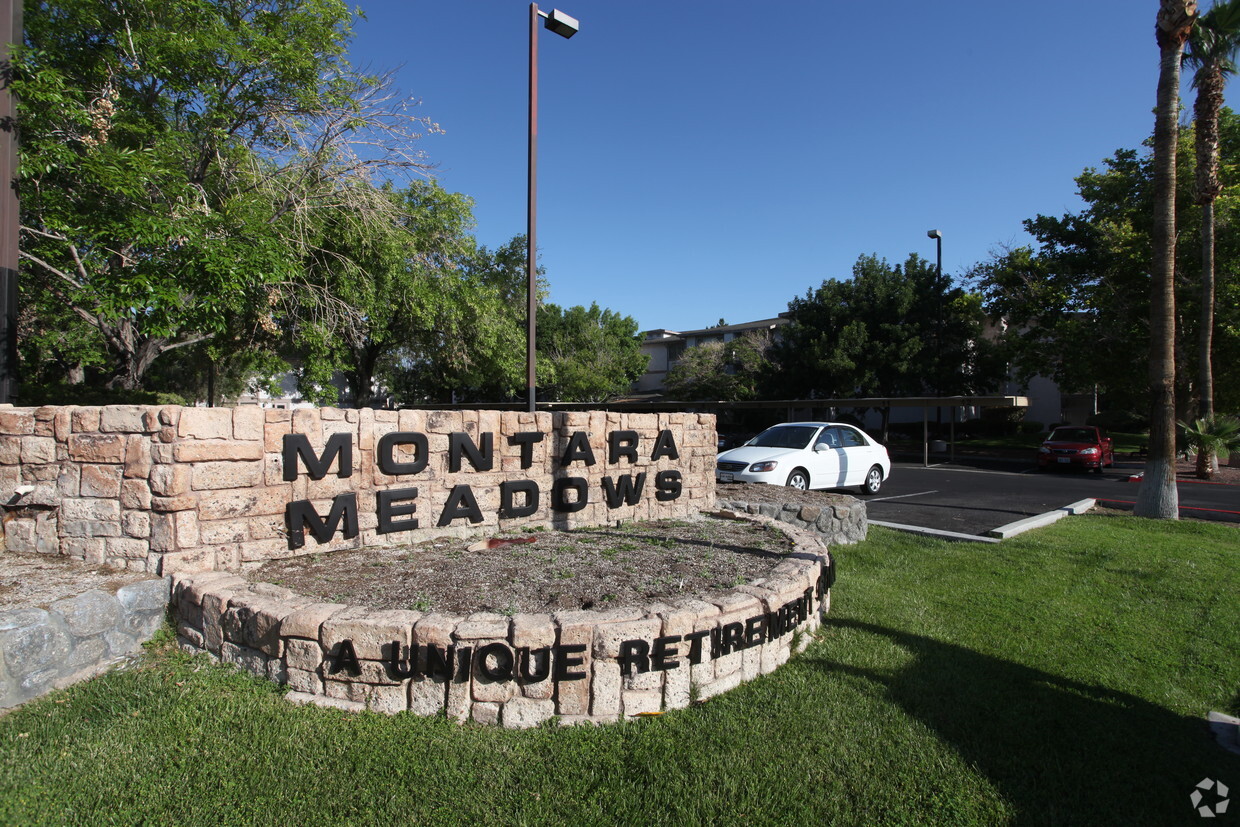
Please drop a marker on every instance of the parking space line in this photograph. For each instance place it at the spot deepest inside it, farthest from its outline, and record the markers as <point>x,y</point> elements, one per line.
<point>959,470</point>
<point>899,496</point>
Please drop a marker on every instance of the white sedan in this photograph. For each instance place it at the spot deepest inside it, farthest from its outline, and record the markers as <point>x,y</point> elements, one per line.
<point>808,455</point>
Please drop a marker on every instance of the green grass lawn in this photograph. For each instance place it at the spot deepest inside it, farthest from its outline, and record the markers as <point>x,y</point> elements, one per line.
<point>1058,678</point>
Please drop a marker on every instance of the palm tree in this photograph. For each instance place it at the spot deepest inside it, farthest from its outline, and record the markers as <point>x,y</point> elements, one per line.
<point>1212,51</point>
<point>1158,497</point>
<point>1211,436</point>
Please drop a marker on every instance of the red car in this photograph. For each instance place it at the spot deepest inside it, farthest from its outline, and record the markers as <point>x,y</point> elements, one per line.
<point>1077,446</point>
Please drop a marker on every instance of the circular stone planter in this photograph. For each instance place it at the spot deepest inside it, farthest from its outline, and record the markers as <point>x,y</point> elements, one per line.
<point>519,670</point>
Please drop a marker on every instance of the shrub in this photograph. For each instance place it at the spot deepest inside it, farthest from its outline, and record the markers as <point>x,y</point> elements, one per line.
<point>1211,437</point>
<point>60,394</point>
<point>1125,422</point>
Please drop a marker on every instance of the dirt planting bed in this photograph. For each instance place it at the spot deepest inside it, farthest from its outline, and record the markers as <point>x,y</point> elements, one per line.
<point>30,581</point>
<point>591,568</point>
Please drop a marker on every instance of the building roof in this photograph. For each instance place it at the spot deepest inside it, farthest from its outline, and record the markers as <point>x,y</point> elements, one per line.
<point>664,333</point>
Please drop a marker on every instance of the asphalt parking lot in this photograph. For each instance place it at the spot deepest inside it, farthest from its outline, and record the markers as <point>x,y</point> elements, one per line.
<point>973,497</point>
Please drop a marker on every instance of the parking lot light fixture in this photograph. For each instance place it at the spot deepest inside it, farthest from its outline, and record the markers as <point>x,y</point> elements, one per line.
<point>565,26</point>
<point>560,23</point>
<point>938,245</point>
<point>938,287</point>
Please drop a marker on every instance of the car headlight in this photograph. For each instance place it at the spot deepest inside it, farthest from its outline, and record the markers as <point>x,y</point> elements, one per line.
<point>1044,450</point>
<point>763,467</point>
<point>1089,452</point>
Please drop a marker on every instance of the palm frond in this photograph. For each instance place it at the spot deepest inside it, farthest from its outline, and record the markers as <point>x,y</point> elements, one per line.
<point>1215,41</point>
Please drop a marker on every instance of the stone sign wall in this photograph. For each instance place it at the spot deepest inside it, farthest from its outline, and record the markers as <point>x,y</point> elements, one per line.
<point>164,489</point>
<point>520,670</point>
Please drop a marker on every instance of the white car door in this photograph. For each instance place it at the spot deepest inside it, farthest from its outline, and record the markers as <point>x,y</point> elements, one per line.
<point>828,458</point>
<point>856,459</point>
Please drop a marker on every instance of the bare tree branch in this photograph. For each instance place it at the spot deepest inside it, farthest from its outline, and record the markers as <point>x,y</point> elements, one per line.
<point>55,271</point>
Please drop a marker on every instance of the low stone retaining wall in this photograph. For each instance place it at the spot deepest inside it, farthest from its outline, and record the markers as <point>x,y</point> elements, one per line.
<point>163,489</point>
<point>79,637</point>
<point>518,671</point>
<point>841,522</point>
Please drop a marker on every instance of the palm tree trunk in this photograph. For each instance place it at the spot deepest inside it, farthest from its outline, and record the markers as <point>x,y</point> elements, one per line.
<point>1210,81</point>
<point>1157,497</point>
<point>1205,341</point>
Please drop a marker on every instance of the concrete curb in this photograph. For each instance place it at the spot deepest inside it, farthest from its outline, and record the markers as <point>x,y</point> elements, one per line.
<point>934,532</point>
<point>1226,731</point>
<point>1021,526</point>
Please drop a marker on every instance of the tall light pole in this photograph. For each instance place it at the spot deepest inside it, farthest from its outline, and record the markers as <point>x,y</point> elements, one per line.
<point>10,32</point>
<point>938,332</point>
<point>938,327</point>
<point>566,27</point>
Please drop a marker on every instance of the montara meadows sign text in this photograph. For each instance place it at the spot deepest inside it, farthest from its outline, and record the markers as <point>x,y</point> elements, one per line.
<point>407,454</point>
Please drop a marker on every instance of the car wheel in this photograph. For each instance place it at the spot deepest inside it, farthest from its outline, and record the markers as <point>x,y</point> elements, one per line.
<point>799,480</point>
<point>873,481</point>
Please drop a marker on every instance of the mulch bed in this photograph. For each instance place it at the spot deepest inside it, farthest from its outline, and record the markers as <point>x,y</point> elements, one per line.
<point>589,568</point>
<point>593,568</point>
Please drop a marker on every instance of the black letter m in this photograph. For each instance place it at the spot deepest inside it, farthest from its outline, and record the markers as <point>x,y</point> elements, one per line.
<point>301,514</point>
<point>298,445</point>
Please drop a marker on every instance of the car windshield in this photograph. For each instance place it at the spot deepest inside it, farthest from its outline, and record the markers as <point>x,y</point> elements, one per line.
<point>1073,435</point>
<point>785,436</point>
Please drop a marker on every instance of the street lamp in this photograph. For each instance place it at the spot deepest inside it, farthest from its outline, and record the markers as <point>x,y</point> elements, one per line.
<point>938,238</point>
<point>938,344</point>
<point>938,288</point>
<point>565,26</point>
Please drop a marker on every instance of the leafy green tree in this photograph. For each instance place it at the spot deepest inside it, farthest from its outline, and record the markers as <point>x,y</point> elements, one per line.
<point>729,371</point>
<point>1077,302</point>
<point>474,350</point>
<point>57,347</point>
<point>219,369</point>
<point>175,153</point>
<point>586,354</point>
<point>383,289</point>
<point>1075,310</point>
<point>879,334</point>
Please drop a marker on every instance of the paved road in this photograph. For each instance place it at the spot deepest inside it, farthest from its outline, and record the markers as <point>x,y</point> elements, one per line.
<point>974,498</point>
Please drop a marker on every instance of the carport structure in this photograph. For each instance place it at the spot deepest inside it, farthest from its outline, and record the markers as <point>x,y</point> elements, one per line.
<point>955,404</point>
<point>812,410</point>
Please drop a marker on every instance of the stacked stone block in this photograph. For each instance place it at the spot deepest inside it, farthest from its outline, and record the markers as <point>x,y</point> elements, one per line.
<point>841,521</point>
<point>518,671</point>
<point>76,638</point>
<point>165,488</point>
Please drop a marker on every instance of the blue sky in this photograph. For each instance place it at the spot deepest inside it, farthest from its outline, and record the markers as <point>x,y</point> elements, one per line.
<point>707,159</point>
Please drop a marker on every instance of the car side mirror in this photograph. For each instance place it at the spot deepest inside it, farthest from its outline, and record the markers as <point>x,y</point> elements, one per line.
<point>820,447</point>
